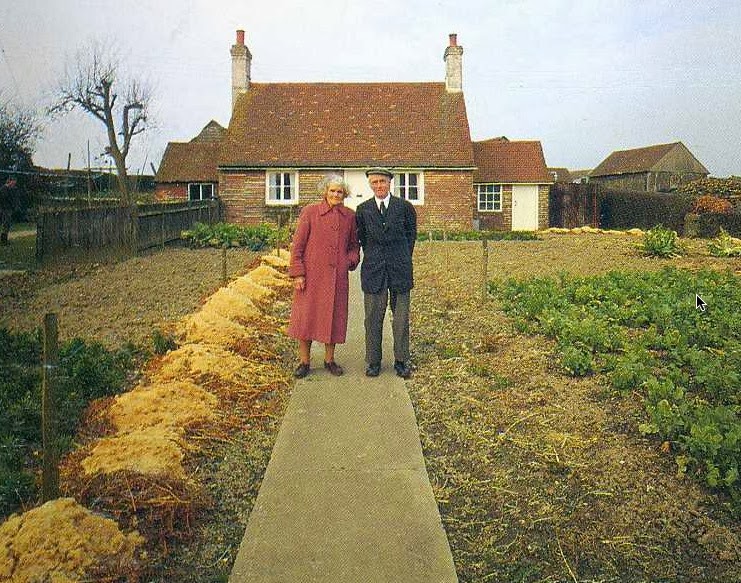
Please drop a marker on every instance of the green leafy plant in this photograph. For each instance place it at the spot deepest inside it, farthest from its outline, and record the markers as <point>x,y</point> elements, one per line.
<point>724,245</point>
<point>163,342</point>
<point>256,238</point>
<point>438,235</point>
<point>661,242</point>
<point>643,331</point>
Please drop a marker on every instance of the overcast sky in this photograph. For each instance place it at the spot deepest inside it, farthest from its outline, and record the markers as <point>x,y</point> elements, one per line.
<point>584,77</point>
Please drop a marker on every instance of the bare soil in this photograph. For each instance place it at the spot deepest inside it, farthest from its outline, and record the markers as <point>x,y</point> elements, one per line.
<point>539,477</point>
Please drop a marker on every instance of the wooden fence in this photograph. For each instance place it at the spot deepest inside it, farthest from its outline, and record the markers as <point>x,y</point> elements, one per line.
<point>573,205</point>
<point>119,229</point>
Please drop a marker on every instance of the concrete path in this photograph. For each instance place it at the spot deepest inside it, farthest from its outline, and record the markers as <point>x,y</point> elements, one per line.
<point>346,497</point>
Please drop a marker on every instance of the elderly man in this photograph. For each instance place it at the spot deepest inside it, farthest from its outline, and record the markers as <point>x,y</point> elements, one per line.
<point>387,230</point>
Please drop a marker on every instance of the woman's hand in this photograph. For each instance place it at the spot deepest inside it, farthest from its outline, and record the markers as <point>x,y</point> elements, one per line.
<point>299,283</point>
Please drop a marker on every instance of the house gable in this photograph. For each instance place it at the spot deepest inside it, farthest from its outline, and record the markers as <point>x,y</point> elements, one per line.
<point>502,161</point>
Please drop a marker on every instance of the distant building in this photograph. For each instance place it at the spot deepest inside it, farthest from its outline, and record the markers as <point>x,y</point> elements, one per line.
<point>660,168</point>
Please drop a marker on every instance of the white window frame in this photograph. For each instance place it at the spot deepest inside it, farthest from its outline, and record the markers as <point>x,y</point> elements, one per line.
<point>294,186</point>
<point>200,186</point>
<point>396,189</point>
<point>496,205</point>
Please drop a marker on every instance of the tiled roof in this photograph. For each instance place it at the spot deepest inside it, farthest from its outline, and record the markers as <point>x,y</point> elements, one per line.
<point>189,162</point>
<point>194,161</point>
<point>211,132</point>
<point>560,174</point>
<point>633,161</point>
<point>504,161</point>
<point>348,125</point>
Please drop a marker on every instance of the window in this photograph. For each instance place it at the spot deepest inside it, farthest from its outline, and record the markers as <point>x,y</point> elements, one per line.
<point>198,191</point>
<point>409,186</point>
<point>489,197</point>
<point>282,188</point>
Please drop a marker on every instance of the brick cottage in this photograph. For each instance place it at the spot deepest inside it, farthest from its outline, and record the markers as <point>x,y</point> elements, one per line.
<point>284,137</point>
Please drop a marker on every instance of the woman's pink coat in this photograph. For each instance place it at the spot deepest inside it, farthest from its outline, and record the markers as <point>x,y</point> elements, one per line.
<point>325,247</point>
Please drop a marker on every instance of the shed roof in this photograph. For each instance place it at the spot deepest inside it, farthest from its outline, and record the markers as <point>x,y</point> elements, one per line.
<point>638,160</point>
<point>348,125</point>
<point>503,161</point>
<point>194,161</point>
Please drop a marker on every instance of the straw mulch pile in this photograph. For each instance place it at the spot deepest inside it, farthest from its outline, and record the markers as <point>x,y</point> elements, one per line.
<point>134,464</point>
<point>63,542</point>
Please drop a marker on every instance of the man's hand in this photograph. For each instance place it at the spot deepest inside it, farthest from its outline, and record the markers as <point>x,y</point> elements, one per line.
<point>299,283</point>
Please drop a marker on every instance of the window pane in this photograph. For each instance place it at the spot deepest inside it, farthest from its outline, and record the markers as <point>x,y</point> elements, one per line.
<point>193,192</point>
<point>413,194</point>
<point>412,180</point>
<point>207,191</point>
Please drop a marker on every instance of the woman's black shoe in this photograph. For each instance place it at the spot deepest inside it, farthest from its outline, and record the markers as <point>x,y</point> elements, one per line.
<point>334,368</point>
<point>301,370</point>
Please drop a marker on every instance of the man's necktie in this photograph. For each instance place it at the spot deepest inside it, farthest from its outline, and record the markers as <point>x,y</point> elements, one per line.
<point>383,212</point>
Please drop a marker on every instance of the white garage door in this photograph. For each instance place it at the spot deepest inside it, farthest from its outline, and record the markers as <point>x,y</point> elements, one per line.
<point>524,207</point>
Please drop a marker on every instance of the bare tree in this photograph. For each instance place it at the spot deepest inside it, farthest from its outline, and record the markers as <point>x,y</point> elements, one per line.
<point>93,83</point>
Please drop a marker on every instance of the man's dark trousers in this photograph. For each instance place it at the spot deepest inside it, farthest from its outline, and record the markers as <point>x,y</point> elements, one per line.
<point>375,310</point>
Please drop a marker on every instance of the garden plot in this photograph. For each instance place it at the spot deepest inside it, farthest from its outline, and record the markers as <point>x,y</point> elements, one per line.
<point>137,471</point>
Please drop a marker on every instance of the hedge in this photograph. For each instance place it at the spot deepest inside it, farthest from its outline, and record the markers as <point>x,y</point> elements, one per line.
<point>622,209</point>
<point>709,224</point>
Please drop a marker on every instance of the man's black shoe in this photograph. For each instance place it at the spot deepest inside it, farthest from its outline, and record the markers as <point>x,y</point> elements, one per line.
<point>373,370</point>
<point>402,369</point>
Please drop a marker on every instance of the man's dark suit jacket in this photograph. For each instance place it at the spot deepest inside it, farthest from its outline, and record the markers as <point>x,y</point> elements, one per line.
<point>387,249</point>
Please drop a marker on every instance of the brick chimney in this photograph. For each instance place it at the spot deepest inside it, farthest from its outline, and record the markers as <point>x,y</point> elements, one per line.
<point>241,62</point>
<point>453,66</point>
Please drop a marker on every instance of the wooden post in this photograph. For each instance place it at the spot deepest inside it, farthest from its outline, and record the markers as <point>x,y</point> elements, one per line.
<point>484,268</point>
<point>162,228</point>
<point>224,278</point>
<point>445,246</point>
<point>50,471</point>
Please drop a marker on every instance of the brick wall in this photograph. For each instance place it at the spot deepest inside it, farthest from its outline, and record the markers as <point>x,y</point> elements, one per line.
<point>498,221</point>
<point>544,192</point>
<point>243,196</point>
<point>449,201</point>
<point>170,191</point>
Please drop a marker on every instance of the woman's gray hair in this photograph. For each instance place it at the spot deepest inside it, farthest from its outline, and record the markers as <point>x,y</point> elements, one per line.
<point>330,179</point>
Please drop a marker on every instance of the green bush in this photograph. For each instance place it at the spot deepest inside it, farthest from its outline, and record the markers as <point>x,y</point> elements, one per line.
<point>710,224</point>
<point>256,237</point>
<point>661,242</point>
<point>87,371</point>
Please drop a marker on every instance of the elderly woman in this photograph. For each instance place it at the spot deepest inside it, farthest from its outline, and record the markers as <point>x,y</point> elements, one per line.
<point>325,247</point>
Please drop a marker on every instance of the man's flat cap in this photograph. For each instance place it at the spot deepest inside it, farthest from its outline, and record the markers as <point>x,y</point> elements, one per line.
<point>381,171</point>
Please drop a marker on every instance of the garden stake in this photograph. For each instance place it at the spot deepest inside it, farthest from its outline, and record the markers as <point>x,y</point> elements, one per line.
<point>50,471</point>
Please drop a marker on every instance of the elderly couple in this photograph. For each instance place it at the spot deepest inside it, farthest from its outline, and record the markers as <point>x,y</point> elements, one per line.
<point>326,245</point>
